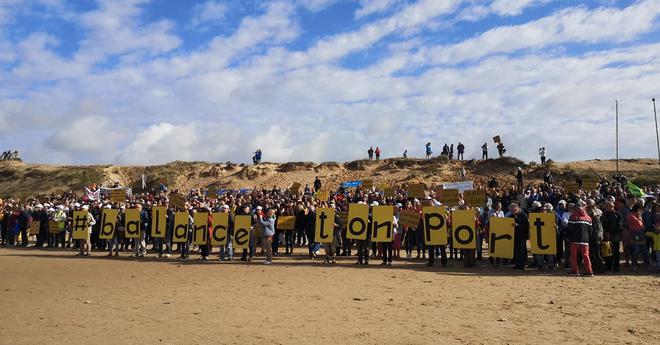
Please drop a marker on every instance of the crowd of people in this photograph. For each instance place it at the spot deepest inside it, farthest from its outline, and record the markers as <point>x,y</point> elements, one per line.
<point>600,228</point>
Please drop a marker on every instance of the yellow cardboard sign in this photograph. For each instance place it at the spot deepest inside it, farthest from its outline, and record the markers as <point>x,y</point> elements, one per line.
<point>180,231</point>
<point>590,183</point>
<point>409,218</point>
<point>53,227</point>
<point>325,225</point>
<point>543,233</point>
<point>242,232</point>
<point>118,195</point>
<point>435,225</point>
<point>295,188</point>
<point>382,226</point>
<point>322,195</point>
<point>286,223</point>
<point>500,243</point>
<point>474,198</point>
<point>177,201</point>
<point>80,225</point>
<point>34,227</point>
<point>158,221</point>
<point>200,228</point>
<point>464,229</point>
<point>448,197</point>
<point>416,190</point>
<point>220,221</point>
<point>108,223</point>
<point>571,187</point>
<point>132,223</point>
<point>358,222</point>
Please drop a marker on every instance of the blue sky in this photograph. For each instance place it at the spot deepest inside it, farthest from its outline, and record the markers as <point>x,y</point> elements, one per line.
<point>142,82</point>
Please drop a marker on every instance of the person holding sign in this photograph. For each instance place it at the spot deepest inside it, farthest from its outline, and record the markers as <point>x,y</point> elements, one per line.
<point>544,237</point>
<point>521,235</point>
<point>86,244</point>
<point>267,233</point>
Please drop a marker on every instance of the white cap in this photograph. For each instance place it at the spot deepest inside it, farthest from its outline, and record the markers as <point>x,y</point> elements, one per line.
<point>40,206</point>
<point>85,207</point>
<point>224,207</point>
<point>108,206</point>
<point>76,205</point>
<point>60,207</point>
<point>259,208</point>
<point>375,203</point>
<point>51,210</point>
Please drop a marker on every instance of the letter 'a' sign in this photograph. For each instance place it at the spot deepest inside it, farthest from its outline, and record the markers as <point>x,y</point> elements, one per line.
<point>542,233</point>
<point>242,231</point>
<point>500,243</point>
<point>465,234</point>
<point>132,223</point>
<point>435,225</point>
<point>180,232</point>
<point>108,223</point>
<point>358,221</point>
<point>382,226</point>
<point>325,225</point>
<point>220,221</point>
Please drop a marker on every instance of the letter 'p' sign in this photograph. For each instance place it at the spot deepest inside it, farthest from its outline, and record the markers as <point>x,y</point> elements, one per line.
<point>435,225</point>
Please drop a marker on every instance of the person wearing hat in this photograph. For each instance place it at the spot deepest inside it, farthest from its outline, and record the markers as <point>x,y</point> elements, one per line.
<point>579,230</point>
<point>86,244</point>
<point>226,252</point>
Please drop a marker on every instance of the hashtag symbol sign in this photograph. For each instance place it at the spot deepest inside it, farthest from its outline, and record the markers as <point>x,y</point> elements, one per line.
<point>80,224</point>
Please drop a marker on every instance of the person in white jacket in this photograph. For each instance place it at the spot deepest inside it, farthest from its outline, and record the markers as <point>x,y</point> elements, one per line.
<point>86,244</point>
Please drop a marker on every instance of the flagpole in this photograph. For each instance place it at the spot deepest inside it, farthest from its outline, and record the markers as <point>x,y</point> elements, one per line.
<point>617,135</point>
<point>657,138</point>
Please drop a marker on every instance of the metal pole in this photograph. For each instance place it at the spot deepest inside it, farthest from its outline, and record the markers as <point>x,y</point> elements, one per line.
<point>657,138</point>
<point>617,136</point>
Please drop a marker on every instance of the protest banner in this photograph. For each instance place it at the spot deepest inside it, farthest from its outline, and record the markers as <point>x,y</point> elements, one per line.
<point>382,229</point>
<point>158,221</point>
<point>200,228</point>
<point>500,244</point>
<point>474,198</point>
<point>80,225</point>
<point>325,225</point>
<point>53,227</point>
<point>117,195</point>
<point>416,190</point>
<point>464,229</point>
<point>132,223</point>
<point>435,225</point>
<point>351,184</point>
<point>286,223</point>
<point>220,224</point>
<point>358,220</point>
<point>180,233</point>
<point>108,223</point>
<point>34,227</point>
<point>448,197</point>
<point>497,139</point>
<point>409,218</point>
<point>543,233</point>
<point>242,232</point>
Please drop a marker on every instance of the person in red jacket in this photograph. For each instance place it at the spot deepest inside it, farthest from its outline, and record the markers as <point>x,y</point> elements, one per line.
<point>579,230</point>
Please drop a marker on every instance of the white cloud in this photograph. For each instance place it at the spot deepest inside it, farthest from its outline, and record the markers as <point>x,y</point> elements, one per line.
<point>369,7</point>
<point>209,12</point>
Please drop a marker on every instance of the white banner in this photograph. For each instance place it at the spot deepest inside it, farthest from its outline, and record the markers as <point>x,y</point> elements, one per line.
<point>461,186</point>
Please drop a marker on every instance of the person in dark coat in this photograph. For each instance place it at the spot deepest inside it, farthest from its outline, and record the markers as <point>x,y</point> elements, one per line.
<point>521,235</point>
<point>612,231</point>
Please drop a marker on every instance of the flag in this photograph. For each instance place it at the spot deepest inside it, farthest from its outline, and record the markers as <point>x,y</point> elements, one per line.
<point>636,191</point>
